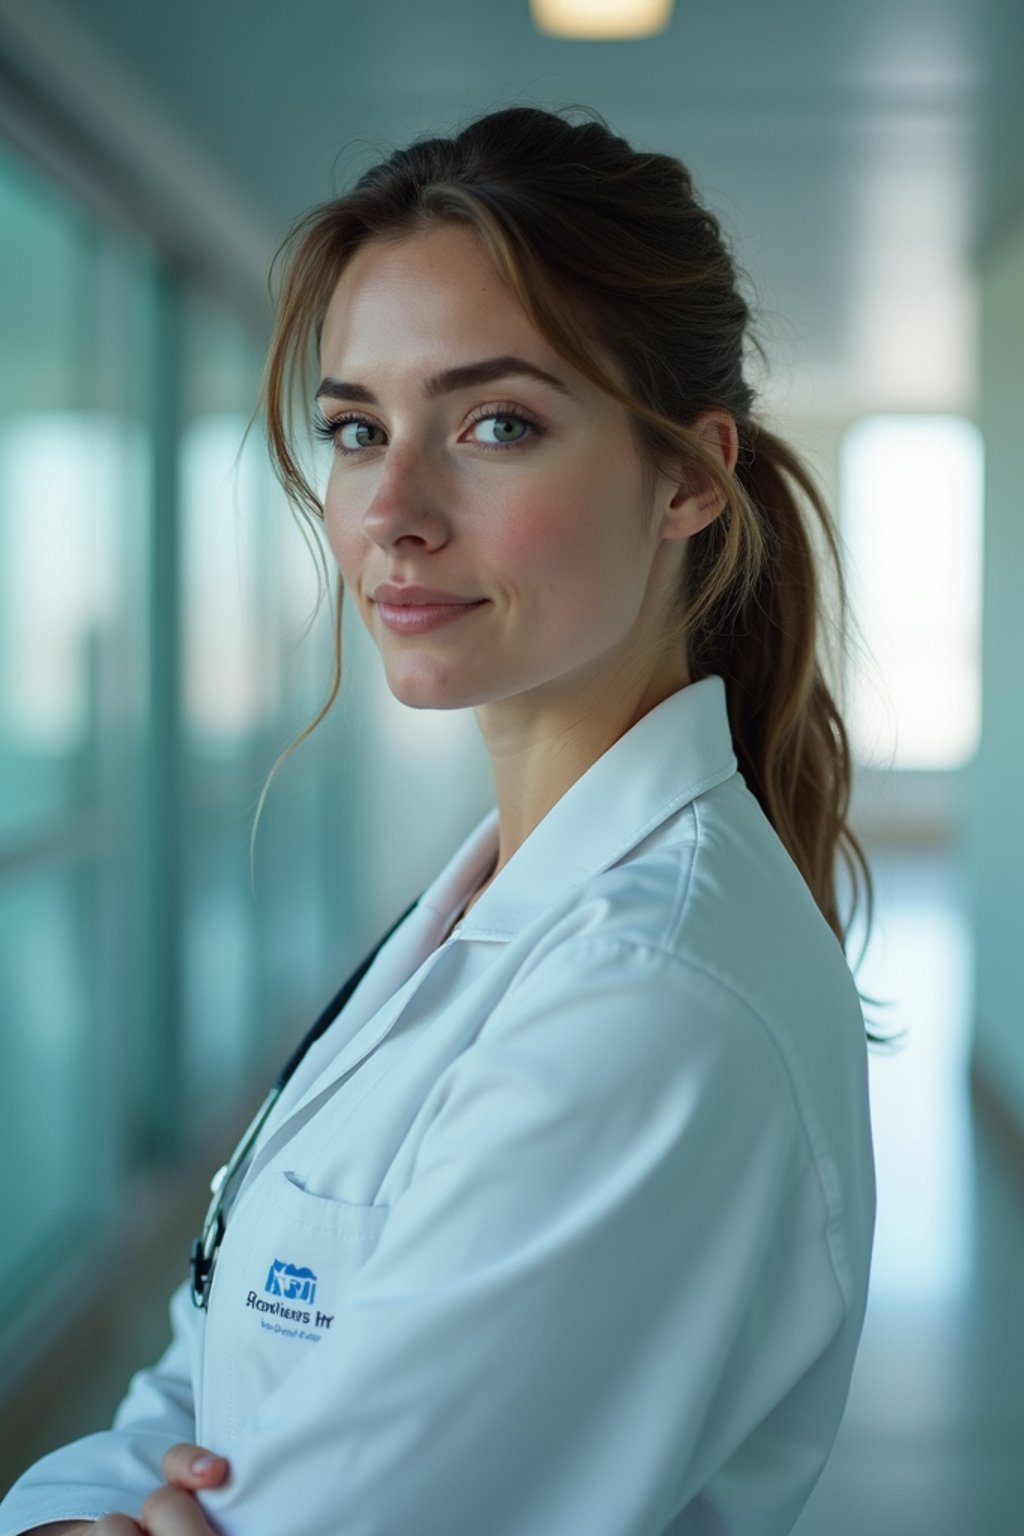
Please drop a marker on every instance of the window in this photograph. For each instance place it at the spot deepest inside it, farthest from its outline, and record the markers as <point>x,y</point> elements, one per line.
<point>141,977</point>
<point>911,492</point>
<point>74,500</point>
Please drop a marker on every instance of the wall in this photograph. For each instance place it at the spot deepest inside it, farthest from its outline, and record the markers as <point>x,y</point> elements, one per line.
<point>995,842</point>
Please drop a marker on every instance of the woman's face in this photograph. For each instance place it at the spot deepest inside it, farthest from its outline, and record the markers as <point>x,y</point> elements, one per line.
<point>472,459</point>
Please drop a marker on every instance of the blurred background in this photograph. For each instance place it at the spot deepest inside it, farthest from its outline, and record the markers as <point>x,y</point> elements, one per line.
<point>158,646</point>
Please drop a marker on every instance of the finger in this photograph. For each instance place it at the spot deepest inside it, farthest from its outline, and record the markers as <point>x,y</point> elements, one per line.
<point>114,1525</point>
<point>173,1512</point>
<point>192,1467</point>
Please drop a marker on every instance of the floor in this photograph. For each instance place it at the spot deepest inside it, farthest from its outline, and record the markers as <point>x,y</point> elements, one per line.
<point>932,1443</point>
<point>933,1439</point>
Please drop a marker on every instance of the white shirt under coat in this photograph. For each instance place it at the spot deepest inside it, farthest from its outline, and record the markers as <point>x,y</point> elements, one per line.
<point>585,1191</point>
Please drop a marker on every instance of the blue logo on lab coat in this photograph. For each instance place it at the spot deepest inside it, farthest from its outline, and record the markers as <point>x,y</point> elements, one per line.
<point>292,1281</point>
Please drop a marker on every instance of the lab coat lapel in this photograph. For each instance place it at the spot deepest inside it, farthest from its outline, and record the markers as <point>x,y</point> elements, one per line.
<point>367,1018</point>
<point>638,776</point>
<point>677,751</point>
<point>394,978</point>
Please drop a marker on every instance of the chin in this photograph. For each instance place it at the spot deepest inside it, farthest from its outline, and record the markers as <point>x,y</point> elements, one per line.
<point>430,692</point>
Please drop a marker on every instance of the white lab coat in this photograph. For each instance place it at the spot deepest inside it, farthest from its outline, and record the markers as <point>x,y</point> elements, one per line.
<point>564,1227</point>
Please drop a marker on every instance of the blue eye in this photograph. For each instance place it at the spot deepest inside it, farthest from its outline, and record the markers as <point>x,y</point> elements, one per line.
<point>506,428</point>
<point>348,434</point>
<point>354,434</point>
<point>345,432</point>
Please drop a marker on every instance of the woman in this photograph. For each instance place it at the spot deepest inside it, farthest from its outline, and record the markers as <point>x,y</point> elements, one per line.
<point>564,1225</point>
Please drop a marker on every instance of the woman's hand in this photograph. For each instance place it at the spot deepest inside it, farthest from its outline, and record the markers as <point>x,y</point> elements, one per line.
<point>194,1469</point>
<point>172,1509</point>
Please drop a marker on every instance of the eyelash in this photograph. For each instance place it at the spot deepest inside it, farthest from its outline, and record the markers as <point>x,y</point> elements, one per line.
<point>327,431</point>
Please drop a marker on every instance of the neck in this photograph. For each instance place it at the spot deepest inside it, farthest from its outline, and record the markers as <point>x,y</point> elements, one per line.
<point>540,743</point>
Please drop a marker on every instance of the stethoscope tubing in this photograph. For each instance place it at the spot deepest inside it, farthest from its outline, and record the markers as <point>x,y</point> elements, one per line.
<point>206,1247</point>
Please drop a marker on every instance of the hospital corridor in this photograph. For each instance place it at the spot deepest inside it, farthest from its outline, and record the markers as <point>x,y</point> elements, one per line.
<point>189,870</point>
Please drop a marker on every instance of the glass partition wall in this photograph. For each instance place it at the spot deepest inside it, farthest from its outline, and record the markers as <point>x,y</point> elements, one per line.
<point>76,315</point>
<point>153,593</point>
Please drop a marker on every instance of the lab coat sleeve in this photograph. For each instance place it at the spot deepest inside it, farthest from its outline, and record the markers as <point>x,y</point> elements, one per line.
<point>115,1469</point>
<point>537,1342</point>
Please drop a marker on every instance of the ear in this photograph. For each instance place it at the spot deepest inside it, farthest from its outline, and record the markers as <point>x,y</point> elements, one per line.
<point>687,510</point>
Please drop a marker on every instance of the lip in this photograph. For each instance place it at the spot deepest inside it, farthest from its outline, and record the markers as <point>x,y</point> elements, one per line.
<point>417,618</point>
<point>412,596</point>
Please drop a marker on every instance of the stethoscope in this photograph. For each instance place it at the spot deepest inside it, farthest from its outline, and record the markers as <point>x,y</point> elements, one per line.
<point>206,1248</point>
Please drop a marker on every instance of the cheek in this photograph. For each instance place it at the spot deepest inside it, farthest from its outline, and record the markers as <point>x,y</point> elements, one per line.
<point>573,543</point>
<point>536,550</point>
<point>342,535</point>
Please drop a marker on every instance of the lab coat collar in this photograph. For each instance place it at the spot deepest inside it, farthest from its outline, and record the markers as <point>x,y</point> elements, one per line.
<point>677,750</point>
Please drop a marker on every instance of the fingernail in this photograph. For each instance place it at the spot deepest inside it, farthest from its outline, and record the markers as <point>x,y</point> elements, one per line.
<point>201,1464</point>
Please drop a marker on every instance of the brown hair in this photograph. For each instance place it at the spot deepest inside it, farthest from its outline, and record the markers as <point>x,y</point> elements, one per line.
<point>608,251</point>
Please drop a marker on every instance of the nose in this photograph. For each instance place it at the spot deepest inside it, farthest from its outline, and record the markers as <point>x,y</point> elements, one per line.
<point>406,503</point>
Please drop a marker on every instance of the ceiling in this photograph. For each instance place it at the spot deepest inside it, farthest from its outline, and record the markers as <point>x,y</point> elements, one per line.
<point>861,153</point>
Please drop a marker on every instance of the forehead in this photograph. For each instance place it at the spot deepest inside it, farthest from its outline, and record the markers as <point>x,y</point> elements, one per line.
<point>426,300</point>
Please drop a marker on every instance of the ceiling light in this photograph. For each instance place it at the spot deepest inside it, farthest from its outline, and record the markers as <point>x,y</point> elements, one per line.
<point>601,18</point>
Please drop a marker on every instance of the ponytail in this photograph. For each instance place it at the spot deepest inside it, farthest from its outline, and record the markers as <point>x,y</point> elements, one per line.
<point>791,743</point>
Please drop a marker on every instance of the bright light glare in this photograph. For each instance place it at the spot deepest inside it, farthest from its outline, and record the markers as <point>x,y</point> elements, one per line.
<point>601,18</point>
<point>228,672</point>
<point>911,510</point>
<point>64,477</point>
<point>921,957</point>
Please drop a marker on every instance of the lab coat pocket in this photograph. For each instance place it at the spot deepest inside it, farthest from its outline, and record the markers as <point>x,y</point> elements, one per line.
<point>279,1289</point>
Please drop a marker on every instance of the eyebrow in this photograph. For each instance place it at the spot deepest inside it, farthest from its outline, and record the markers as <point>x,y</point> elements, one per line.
<point>466,376</point>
